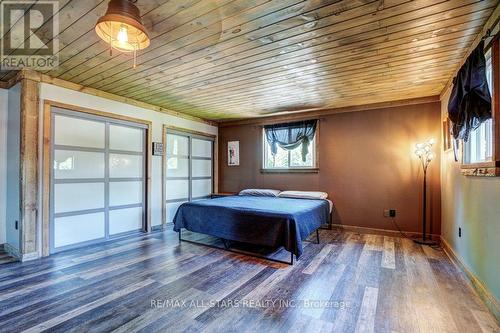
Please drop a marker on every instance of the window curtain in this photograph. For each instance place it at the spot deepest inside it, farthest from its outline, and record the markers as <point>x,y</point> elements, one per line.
<point>470,99</point>
<point>291,135</point>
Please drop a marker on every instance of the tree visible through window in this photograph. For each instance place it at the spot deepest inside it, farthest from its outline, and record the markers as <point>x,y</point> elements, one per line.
<point>289,159</point>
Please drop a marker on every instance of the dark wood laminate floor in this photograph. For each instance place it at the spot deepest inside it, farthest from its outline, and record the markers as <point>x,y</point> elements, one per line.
<point>347,283</point>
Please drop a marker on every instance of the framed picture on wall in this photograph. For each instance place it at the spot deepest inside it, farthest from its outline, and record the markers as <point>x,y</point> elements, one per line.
<point>233,153</point>
<point>447,139</point>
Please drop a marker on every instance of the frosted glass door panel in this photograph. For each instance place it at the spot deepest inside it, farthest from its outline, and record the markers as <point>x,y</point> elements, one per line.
<point>172,209</point>
<point>78,196</point>
<point>201,187</point>
<point>125,166</point>
<point>125,193</point>
<point>124,220</point>
<point>126,138</point>
<point>202,168</point>
<point>177,189</point>
<point>97,181</point>
<point>177,145</point>
<point>177,167</point>
<point>78,164</point>
<point>201,148</point>
<point>69,131</point>
<point>80,228</point>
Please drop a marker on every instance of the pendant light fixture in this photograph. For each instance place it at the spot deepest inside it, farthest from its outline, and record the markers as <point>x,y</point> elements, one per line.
<point>121,27</point>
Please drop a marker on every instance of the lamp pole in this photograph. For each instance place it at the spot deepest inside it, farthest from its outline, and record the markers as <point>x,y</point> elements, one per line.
<point>424,206</point>
<point>424,153</point>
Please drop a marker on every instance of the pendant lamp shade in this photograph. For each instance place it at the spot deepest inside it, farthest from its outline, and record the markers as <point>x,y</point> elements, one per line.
<point>121,27</point>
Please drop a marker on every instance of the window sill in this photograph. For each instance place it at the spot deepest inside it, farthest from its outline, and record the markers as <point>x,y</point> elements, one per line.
<point>486,169</point>
<point>306,170</point>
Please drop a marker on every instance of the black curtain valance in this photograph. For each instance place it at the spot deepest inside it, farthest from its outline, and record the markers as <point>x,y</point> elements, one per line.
<point>291,135</point>
<point>470,99</point>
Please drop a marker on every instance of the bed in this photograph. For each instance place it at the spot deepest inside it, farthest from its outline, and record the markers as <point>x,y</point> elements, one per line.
<point>266,221</point>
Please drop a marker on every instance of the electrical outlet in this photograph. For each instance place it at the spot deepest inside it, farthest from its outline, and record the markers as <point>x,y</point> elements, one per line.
<point>389,213</point>
<point>459,232</point>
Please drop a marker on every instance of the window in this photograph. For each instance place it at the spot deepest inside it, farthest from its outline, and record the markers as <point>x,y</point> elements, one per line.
<point>289,159</point>
<point>481,154</point>
<point>479,147</point>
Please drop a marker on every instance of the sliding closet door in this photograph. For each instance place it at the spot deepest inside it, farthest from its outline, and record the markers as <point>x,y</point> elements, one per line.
<point>126,178</point>
<point>201,168</point>
<point>78,181</point>
<point>189,169</point>
<point>177,173</point>
<point>97,187</point>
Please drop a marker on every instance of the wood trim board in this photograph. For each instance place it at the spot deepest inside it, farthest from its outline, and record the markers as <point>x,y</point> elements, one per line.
<point>43,78</point>
<point>97,112</point>
<point>284,117</point>
<point>385,232</point>
<point>475,283</point>
<point>29,168</point>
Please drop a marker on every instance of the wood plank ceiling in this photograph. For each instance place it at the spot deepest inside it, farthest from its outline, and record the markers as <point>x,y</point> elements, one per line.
<point>227,59</point>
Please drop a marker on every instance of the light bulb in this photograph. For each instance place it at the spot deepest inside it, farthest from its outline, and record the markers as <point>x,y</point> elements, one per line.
<point>431,141</point>
<point>430,157</point>
<point>123,34</point>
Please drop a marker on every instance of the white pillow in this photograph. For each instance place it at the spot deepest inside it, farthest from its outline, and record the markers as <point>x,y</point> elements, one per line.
<point>303,195</point>
<point>260,192</point>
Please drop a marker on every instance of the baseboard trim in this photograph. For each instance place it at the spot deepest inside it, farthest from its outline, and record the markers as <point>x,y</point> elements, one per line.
<point>30,256</point>
<point>13,252</point>
<point>384,232</point>
<point>162,226</point>
<point>484,294</point>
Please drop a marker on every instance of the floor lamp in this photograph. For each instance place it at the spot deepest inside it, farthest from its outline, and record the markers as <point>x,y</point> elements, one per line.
<point>425,154</point>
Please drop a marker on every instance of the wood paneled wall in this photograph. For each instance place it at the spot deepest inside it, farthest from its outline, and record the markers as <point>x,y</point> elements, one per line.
<point>233,59</point>
<point>366,161</point>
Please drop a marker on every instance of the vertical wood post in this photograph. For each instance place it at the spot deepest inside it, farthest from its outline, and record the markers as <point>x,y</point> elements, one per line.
<point>29,168</point>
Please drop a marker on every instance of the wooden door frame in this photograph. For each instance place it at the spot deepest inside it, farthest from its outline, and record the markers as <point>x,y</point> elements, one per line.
<point>46,166</point>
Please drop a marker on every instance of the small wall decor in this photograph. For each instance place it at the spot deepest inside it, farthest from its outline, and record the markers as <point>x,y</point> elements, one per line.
<point>447,139</point>
<point>233,153</point>
<point>157,149</point>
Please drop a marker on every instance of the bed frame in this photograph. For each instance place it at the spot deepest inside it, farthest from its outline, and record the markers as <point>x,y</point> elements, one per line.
<point>229,249</point>
<point>255,255</point>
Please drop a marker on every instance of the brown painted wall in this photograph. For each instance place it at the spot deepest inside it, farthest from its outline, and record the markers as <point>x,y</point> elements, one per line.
<point>366,162</point>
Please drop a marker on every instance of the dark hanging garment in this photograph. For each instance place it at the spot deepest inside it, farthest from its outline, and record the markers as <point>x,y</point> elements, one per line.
<point>470,99</point>
<point>291,135</point>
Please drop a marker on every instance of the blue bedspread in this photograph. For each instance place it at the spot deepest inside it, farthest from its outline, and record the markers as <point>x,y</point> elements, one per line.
<point>267,221</point>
